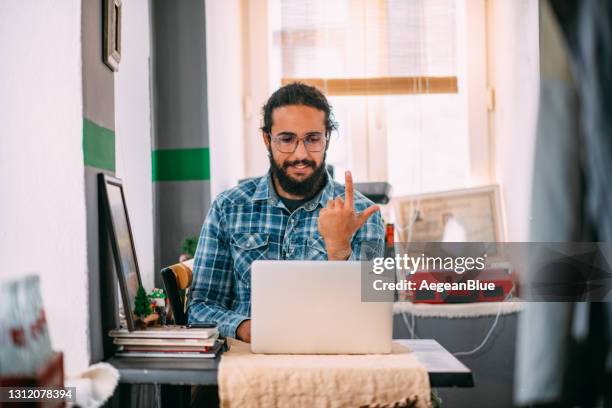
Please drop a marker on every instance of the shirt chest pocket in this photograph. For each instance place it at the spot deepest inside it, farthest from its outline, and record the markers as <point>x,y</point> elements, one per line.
<point>247,248</point>
<point>315,249</point>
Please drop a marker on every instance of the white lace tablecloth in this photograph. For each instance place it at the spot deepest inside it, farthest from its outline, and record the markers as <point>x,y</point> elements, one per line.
<point>376,380</point>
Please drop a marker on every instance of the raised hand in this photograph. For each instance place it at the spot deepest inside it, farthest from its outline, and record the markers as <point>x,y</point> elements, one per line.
<point>338,221</point>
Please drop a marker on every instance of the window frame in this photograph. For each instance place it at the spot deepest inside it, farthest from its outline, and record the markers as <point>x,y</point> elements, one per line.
<point>369,146</point>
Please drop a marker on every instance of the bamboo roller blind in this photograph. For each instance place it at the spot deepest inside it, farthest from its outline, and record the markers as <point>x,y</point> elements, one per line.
<point>369,47</point>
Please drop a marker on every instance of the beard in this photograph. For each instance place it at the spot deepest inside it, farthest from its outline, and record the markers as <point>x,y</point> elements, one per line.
<point>304,188</point>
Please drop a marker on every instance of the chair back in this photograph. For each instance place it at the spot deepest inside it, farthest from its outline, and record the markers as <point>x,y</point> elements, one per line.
<point>177,279</point>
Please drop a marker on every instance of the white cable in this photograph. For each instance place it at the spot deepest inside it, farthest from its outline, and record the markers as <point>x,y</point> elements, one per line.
<point>409,326</point>
<point>486,338</point>
<point>484,341</point>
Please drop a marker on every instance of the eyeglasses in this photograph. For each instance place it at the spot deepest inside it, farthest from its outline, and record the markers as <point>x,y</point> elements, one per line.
<point>288,143</point>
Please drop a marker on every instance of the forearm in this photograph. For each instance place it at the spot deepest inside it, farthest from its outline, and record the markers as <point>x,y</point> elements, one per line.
<point>226,319</point>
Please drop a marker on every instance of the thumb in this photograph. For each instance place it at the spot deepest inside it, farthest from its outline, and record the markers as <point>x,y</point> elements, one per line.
<point>365,214</point>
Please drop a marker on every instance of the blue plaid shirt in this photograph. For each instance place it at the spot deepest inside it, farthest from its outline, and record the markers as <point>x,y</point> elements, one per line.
<point>250,222</point>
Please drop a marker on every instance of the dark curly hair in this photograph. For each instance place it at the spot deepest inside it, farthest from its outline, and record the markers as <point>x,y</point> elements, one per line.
<point>298,93</point>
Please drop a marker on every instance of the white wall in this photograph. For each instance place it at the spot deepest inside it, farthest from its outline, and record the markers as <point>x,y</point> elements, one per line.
<point>515,48</point>
<point>42,190</point>
<point>133,130</point>
<point>225,93</point>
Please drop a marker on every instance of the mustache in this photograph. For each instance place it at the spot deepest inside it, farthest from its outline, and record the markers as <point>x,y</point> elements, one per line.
<point>308,163</point>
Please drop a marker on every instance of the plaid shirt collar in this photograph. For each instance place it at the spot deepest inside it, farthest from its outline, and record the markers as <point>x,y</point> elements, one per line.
<point>265,191</point>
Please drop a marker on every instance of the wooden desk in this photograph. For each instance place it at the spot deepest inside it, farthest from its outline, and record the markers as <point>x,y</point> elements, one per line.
<point>443,368</point>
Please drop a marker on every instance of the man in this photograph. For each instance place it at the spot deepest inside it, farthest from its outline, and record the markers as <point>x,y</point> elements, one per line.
<point>296,211</point>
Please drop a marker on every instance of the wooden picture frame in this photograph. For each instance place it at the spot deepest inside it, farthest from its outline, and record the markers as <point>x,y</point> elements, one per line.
<point>477,209</point>
<point>112,34</point>
<point>115,215</point>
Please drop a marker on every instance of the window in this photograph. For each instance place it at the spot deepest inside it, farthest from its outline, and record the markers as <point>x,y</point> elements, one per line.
<point>397,75</point>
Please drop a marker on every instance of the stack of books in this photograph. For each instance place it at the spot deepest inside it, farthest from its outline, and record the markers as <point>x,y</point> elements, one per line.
<point>167,341</point>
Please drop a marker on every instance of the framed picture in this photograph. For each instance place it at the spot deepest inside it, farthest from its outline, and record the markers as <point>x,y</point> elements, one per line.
<point>476,212</point>
<point>122,243</point>
<point>112,34</point>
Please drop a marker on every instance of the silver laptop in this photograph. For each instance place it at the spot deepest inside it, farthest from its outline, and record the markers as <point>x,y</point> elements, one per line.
<point>315,307</point>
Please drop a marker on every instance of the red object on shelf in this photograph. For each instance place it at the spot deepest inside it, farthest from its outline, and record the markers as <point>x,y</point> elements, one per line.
<point>390,234</point>
<point>49,375</point>
<point>502,279</point>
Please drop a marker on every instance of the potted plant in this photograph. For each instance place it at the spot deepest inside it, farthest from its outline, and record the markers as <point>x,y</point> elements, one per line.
<point>142,308</point>
<point>188,248</point>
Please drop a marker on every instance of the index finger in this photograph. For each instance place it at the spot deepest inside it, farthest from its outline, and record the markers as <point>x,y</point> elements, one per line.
<point>348,189</point>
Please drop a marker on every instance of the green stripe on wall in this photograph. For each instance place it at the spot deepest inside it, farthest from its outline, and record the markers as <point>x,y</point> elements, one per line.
<point>181,164</point>
<point>98,146</point>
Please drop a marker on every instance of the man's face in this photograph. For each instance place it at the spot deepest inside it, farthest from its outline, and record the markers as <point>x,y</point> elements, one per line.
<point>301,172</point>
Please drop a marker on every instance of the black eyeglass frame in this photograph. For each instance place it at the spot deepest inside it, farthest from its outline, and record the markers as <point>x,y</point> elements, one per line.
<point>274,139</point>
